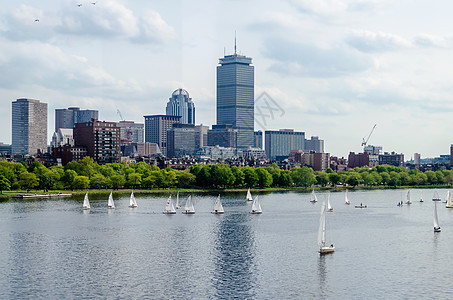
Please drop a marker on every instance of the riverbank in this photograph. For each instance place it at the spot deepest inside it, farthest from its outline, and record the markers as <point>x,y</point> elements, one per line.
<point>44,194</point>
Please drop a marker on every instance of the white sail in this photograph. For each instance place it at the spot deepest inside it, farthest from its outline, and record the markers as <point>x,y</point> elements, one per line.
<point>313,197</point>
<point>169,208</point>
<point>218,207</point>
<point>86,202</point>
<point>322,226</point>
<point>421,196</point>
<point>256,206</point>
<point>346,199</point>
<point>408,198</point>
<point>189,208</point>
<point>329,207</point>
<point>177,201</point>
<point>447,196</point>
<point>436,220</point>
<point>449,202</point>
<point>110,203</point>
<point>249,195</point>
<point>436,196</point>
<point>132,201</point>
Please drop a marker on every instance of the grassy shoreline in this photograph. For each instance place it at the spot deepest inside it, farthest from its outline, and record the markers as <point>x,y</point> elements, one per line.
<point>9,194</point>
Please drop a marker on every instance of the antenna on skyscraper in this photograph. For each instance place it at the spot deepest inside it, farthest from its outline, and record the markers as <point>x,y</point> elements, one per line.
<point>235,43</point>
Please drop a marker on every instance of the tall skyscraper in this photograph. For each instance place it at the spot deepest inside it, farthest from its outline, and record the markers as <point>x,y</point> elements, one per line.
<point>180,104</point>
<point>29,126</point>
<point>67,117</point>
<point>235,96</point>
<point>156,129</point>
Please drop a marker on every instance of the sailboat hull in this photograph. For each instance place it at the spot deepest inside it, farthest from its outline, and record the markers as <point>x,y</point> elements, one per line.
<point>188,212</point>
<point>436,229</point>
<point>133,206</point>
<point>169,212</point>
<point>217,212</point>
<point>326,250</point>
<point>256,212</point>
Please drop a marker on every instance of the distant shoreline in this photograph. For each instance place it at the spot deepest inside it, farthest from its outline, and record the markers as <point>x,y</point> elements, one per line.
<point>41,194</point>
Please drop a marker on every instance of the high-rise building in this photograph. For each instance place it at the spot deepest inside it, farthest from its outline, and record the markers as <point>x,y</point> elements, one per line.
<point>131,132</point>
<point>180,104</point>
<point>29,126</point>
<point>67,117</point>
<point>223,136</point>
<point>64,136</point>
<point>278,144</point>
<point>181,139</point>
<point>101,140</point>
<point>314,144</point>
<point>417,158</point>
<point>235,96</point>
<point>258,139</point>
<point>156,129</point>
<point>202,136</point>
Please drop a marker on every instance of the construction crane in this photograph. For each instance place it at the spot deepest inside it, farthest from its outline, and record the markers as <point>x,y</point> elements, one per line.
<point>364,142</point>
<point>127,128</point>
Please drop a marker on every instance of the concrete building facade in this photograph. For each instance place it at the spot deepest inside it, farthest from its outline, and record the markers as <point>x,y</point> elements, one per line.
<point>156,127</point>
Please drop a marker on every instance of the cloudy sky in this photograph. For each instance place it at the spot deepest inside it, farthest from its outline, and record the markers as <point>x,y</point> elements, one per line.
<point>334,67</point>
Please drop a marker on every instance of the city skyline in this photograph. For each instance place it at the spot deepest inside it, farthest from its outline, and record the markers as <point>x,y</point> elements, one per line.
<point>335,68</point>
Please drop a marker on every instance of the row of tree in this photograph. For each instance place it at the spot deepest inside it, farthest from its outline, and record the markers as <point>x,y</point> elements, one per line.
<point>88,174</point>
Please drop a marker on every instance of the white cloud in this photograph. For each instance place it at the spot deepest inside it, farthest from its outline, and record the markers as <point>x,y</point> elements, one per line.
<point>427,40</point>
<point>367,41</point>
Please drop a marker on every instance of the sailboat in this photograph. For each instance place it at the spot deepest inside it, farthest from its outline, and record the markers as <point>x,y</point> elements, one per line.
<point>329,207</point>
<point>178,206</point>
<point>436,196</point>
<point>314,199</point>
<point>447,196</point>
<point>449,202</point>
<point>132,201</point>
<point>323,249</point>
<point>86,202</point>
<point>110,203</point>
<point>346,199</point>
<point>189,209</point>
<point>249,195</point>
<point>169,208</point>
<point>408,197</point>
<point>421,196</point>
<point>218,207</point>
<point>256,207</point>
<point>436,220</point>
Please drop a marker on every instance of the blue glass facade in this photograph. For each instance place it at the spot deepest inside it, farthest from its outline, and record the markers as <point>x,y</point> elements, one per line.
<point>235,96</point>
<point>181,104</point>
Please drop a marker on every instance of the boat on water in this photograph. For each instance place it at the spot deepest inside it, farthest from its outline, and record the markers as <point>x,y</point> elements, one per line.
<point>110,202</point>
<point>132,201</point>
<point>178,206</point>
<point>329,207</point>
<point>249,195</point>
<point>447,196</point>
<point>86,202</point>
<point>218,207</point>
<point>436,220</point>
<point>189,209</point>
<point>436,196</point>
<point>314,199</point>
<point>323,248</point>
<point>256,207</point>
<point>449,202</point>
<point>169,208</point>
<point>346,199</point>
<point>408,198</point>
<point>361,206</point>
<point>421,196</point>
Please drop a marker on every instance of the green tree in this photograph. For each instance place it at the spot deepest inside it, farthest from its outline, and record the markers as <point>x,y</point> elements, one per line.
<point>5,185</point>
<point>264,178</point>
<point>394,179</point>
<point>117,181</point>
<point>431,176</point>
<point>354,179</point>
<point>186,179</point>
<point>250,177</point>
<point>81,182</point>
<point>222,176</point>
<point>334,178</point>
<point>285,179</point>
<point>28,181</point>
<point>303,176</point>
<point>134,180</point>
<point>238,176</point>
<point>322,178</point>
<point>68,178</point>
<point>98,181</point>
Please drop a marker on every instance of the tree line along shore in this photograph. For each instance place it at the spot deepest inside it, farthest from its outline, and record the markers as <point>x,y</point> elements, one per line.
<point>87,174</point>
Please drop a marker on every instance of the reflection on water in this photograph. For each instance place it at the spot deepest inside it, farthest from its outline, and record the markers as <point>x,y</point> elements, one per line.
<point>234,257</point>
<point>52,249</point>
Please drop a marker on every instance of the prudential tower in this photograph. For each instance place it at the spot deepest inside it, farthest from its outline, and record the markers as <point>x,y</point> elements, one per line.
<point>235,96</point>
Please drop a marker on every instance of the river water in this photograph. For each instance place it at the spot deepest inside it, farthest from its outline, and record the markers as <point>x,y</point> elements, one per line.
<point>52,249</point>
